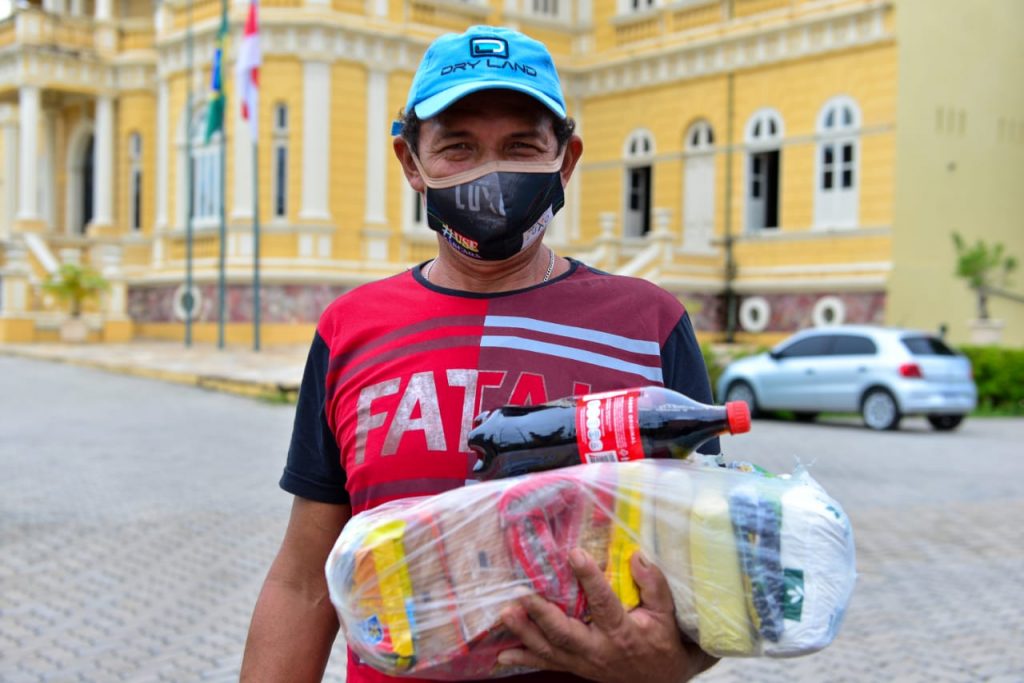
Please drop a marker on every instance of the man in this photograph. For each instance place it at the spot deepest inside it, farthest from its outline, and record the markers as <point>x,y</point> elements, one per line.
<point>399,367</point>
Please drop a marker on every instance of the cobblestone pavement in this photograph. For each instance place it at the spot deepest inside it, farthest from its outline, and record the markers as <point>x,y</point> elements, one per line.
<point>138,518</point>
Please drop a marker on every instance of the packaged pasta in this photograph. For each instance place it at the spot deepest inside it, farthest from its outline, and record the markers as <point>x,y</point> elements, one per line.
<point>757,565</point>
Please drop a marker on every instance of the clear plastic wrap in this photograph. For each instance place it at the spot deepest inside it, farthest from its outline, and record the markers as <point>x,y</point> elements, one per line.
<point>757,565</point>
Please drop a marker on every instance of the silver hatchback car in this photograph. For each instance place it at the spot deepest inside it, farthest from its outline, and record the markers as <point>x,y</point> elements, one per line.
<point>881,373</point>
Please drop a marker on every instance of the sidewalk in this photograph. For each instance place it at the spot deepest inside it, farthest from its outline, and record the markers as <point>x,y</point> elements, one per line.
<point>273,373</point>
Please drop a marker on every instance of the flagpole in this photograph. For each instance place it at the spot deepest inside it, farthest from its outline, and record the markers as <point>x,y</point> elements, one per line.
<point>221,276</point>
<point>256,246</point>
<point>189,300</point>
<point>247,69</point>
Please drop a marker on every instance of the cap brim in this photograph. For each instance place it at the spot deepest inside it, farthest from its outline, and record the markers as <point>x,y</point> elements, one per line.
<point>434,105</point>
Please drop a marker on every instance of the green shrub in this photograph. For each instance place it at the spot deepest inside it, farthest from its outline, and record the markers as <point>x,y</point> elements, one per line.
<point>717,358</point>
<point>999,374</point>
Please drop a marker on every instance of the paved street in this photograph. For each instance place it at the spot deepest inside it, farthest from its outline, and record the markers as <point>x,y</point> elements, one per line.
<point>137,519</point>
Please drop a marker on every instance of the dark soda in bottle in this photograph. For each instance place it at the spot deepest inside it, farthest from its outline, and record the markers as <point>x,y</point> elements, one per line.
<point>629,424</point>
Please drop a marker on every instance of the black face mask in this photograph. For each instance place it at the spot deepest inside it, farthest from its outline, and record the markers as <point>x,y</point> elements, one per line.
<point>496,210</point>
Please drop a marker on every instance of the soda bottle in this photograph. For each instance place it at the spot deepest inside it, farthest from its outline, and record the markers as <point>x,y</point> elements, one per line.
<point>628,424</point>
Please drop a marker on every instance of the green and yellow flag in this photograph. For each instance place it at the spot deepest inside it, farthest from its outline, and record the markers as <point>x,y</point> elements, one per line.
<point>215,109</point>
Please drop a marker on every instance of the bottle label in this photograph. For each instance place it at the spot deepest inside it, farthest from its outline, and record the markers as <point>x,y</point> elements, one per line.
<point>608,426</point>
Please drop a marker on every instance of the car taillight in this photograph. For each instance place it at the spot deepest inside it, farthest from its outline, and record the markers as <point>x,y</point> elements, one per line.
<point>911,371</point>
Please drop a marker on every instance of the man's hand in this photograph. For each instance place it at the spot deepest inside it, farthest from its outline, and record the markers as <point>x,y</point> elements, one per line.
<point>641,645</point>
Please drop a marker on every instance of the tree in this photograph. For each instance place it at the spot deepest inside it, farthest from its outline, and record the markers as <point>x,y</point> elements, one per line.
<point>76,284</point>
<point>985,268</point>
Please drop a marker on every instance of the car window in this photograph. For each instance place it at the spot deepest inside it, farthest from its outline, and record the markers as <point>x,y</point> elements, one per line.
<point>811,346</point>
<point>927,346</point>
<point>853,345</point>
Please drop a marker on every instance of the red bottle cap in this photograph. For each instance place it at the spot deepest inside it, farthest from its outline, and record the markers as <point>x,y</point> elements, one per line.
<point>738,414</point>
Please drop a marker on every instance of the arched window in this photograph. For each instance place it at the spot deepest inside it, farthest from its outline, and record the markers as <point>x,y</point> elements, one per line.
<point>836,184</point>
<point>280,160</point>
<point>698,186</point>
<point>135,181</point>
<point>639,156</point>
<point>764,173</point>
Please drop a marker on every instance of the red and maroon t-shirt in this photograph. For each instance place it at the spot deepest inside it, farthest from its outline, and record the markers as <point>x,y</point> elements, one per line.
<point>399,368</point>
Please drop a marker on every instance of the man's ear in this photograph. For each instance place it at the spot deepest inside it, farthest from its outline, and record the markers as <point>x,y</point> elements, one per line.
<point>573,152</point>
<point>404,155</point>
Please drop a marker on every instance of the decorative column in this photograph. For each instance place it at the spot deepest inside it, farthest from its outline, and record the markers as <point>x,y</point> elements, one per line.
<point>241,206</point>
<point>103,182</point>
<point>117,326</point>
<point>316,141</point>
<point>663,233</point>
<point>106,38</point>
<point>14,276</point>
<point>608,241</point>
<point>375,219</point>
<point>28,156</point>
<point>162,162</point>
<point>162,106</point>
<point>48,174</point>
<point>9,200</point>
<point>576,182</point>
<point>109,257</point>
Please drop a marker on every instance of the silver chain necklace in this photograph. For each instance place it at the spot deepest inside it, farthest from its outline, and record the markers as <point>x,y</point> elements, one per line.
<point>547,275</point>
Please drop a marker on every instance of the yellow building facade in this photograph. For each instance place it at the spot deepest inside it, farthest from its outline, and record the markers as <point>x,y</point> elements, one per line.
<point>759,158</point>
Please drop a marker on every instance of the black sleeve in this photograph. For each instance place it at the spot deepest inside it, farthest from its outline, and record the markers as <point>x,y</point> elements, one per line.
<point>683,370</point>
<point>314,468</point>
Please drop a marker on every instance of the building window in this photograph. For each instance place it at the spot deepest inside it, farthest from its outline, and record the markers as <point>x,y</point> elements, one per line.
<point>543,8</point>
<point>632,6</point>
<point>836,185</point>
<point>280,161</point>
<point>698,187</point>
<point>639,156</point>
<point>135,181</point>
<point>206,170</point>
<point>764,160</point>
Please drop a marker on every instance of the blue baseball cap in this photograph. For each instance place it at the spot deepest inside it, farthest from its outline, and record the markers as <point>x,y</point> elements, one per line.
<point>483,58</point>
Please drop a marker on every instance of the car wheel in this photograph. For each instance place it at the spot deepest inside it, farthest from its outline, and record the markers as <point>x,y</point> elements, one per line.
<point>880,411</point>
<point>945,423</point>
<point>805,417</point>
<point>741,391</point>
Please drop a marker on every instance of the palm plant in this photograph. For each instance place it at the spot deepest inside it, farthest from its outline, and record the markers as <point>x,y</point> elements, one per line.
<point>76,284</point>
<point>986,269</point>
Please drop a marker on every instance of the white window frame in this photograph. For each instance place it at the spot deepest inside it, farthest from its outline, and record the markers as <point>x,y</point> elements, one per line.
<point>279,146</point>
<point>764,132</point>
<point>838,129</point>
<point>135,197</point>
<point>698,147</point>
<point>206,185</point>
<point>638,152</point>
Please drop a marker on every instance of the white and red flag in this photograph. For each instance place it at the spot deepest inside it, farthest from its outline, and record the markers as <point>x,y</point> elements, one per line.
<point>247,71</point>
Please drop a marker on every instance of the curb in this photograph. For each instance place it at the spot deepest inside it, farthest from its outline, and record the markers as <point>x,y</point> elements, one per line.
<point>268,391</point>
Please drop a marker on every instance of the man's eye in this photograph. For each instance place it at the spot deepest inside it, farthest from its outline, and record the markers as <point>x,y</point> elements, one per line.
<point>523,148</point>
